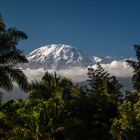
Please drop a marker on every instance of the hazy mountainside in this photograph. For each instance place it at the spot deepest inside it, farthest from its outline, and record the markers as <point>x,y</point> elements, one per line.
<point>127,83</point>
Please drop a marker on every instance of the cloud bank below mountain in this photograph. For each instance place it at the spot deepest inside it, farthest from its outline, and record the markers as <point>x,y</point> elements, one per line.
<point>77,74</point>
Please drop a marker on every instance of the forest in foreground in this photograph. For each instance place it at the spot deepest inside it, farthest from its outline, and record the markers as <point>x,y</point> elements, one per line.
<point>57,109</point>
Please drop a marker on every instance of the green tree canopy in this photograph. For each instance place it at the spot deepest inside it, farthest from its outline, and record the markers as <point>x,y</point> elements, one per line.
<point>51,85</point>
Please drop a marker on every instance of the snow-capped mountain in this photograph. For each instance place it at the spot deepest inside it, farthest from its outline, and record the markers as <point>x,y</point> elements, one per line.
<point>58,56</point>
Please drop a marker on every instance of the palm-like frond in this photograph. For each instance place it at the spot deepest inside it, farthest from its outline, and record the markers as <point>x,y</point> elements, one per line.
<point>9,74</point>
<point>17,75</point>
<point>38,90</point>
<point>15,35</point>
<point>5,81</point>
<point>11,56</point>
<point>10,37</point>
<point>50,86</point>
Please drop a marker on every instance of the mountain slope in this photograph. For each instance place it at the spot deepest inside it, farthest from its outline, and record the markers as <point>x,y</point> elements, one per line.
<point>58,56</point>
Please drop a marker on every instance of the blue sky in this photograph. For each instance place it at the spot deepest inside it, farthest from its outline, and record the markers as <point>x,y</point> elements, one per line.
<point>99,27</point>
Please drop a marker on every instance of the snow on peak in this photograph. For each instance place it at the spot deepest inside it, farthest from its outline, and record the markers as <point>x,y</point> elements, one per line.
<point>96,59</point>
<point>58,56</point>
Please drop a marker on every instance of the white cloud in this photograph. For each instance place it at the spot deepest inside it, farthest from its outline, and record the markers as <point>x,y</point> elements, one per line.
<point>34,74</point>
<point>116,68</point>
<point>76,74</point>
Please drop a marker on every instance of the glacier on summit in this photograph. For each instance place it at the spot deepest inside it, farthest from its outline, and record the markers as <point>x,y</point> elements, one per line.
<point>58,56</point>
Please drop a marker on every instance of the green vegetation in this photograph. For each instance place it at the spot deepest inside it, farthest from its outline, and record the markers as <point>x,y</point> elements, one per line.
<point>57,109</point>
<point>10,57</point>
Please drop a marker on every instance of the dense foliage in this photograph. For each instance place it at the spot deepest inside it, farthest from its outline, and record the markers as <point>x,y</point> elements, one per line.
<point>57,109</point>
<point>10,57</point>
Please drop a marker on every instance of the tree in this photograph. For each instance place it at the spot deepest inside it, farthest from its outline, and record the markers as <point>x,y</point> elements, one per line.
<point>105,92</point>
<point>102,84</point>
<point>51,85</point>
<point>35,120</point>
<point>128,121</point>
<point>10,57</point>
<point>136,69</point>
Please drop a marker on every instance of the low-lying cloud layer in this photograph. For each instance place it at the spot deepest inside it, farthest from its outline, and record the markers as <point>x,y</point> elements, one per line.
<point>76,74</point>
<point>116,68</point>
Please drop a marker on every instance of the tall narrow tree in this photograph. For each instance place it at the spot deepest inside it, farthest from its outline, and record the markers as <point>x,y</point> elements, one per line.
<point>105,92</point>
<point>10,57</point>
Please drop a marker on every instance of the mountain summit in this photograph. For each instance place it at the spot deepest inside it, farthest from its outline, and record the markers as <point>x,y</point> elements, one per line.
<point>58,56</point>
